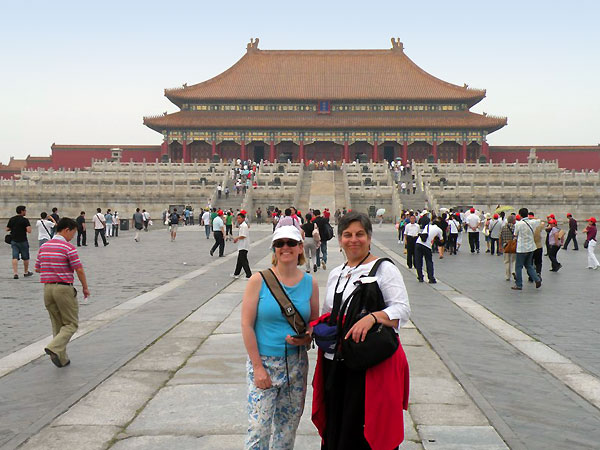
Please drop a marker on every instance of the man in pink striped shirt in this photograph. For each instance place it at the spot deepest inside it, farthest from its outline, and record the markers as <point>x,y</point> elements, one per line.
<point>56,261</point>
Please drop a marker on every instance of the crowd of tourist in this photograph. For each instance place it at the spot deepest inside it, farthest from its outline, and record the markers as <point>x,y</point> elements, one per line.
<point>518,237</point>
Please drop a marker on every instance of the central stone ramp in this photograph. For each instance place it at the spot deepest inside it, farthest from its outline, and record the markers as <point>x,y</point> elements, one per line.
<point>322,190</point>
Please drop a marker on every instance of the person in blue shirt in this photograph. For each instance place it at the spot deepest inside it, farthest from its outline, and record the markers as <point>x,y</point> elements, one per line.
<point>277,365</point>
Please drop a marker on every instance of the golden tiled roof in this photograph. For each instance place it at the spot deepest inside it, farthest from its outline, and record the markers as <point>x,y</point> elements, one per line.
<point>274,120</point>
<point>311,75</point>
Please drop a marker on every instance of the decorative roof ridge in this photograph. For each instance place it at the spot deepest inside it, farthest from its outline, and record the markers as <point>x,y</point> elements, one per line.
<point>213,79</point>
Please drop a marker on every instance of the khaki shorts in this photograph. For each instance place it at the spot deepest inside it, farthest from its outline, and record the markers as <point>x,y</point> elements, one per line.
<point>173,228</point>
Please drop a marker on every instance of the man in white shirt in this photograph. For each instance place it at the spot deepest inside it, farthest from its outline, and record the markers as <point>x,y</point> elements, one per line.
<point>219,234</point>
<point>243,243</point>
<point>45,226</point>
<point>423,249</point>
<point>524,232</point>
<point>473,222</point>
<point>99,227</point>
<point>206,222</point>
<point>411,232</point>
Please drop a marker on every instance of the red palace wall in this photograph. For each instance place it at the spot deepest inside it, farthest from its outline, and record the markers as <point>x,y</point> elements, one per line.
<point>572,158</point>
<point>71,158</point>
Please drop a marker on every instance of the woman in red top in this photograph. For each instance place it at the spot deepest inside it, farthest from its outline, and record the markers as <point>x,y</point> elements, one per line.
<point>590,231</point>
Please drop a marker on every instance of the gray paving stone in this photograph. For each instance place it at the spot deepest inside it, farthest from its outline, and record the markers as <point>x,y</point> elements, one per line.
<point>72,436</point>
<point>455,437</point>
<point>193,329</point>
<point>444,414</point>
<point>231,325</point>
<point>194,410</point>
<point>411,336</point>
<point>115,401</point>
<point>212,369</point>
<point>167,354</point>
<point>219,344</point>
<point>436,390</point>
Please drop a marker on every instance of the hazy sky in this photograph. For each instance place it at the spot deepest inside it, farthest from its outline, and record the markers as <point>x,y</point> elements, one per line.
<point>76,73</point>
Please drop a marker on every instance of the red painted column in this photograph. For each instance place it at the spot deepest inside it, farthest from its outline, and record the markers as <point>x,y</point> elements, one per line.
<point>185,155</point>
<point>213,149</point>
<point>301,153</point>
<point>485,150</point>
<point>243,151</point>
<point>463,153</point>
<point>346,152</point>
<point>404,152</point>
<point>164,149</point>
<point>272,151</point>
<point>434,151</point>
<point>375,152</point>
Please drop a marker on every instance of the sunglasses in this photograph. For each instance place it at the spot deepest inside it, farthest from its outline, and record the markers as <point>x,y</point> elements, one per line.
<point>280,244</point>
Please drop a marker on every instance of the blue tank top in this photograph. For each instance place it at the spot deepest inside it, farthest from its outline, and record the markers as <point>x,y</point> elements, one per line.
<point>270,326</point>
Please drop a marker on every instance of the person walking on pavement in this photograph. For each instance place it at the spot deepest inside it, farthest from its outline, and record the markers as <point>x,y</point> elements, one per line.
<point>572,234</point>
<point>538,260</point>
<point>116,224</point>
<point>507,234</point>
<point>524,232</point>
<point>324,234</point>
<point>591,241</point>
<point>19,226</point>
<point>56,218</point>
<point>556,241</point>
<point>423,244</point>
<point>243,243</point>
<point>99,227</point>
<point>174,220</point>
<point>146,215</point>
<point>56,262</point>
<point>411,232</point>
<point>206,222</point>
<point>219,234</point>
<point>81,230</point>
<point>494,227</point>
<point>109,223</point>
<point>473,223</point>
<point>312,240</point>
<point>45,228</point>
<point>138,224</point>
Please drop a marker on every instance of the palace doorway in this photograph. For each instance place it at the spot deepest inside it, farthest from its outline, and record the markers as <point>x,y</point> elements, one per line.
<point>259,153</point>
<point>388,153</point>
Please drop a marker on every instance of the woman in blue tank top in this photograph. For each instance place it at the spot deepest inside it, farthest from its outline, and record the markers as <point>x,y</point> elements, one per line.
<point>277,365</point>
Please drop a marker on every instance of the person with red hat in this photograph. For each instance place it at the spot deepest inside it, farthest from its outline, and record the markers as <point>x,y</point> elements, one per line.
<point>572,234</point>
<point>473,222</point>
<point>590,242</point>
<point>219,234</point>
<point>494,228</point>
<point>555,239</point>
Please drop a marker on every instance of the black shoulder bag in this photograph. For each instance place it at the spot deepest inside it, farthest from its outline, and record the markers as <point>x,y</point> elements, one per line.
<point>381,341</point>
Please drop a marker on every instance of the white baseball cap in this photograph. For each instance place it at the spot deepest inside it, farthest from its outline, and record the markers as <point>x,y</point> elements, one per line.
<point>287,232</point>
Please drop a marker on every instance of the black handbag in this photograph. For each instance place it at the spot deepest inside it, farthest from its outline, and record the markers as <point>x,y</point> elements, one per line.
<point>8,238</point>
<point>381,341</point>
<point>586,243</point>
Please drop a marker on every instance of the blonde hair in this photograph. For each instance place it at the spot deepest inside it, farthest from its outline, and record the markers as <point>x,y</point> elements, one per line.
<point>301,258</point>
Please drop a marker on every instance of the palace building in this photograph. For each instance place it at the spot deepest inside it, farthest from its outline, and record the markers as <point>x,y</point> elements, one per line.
<point>318,105</point>
<point>325,105</point>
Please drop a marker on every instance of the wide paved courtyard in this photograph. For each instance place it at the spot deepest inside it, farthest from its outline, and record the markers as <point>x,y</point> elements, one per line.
<point>158,362</point>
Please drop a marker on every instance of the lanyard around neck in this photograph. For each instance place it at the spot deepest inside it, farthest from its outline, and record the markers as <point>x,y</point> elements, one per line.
<point>348,280</point>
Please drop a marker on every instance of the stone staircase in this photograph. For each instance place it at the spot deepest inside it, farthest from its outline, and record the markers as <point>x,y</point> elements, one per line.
<point>302,197</point>
<point>411,201</point>
<point>322,190</point>
<point>340,191</point>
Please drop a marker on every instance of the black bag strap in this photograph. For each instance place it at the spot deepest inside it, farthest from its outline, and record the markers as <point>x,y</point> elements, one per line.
<point>44,225</point>
<point>288,309</point>
<point>377,264</point>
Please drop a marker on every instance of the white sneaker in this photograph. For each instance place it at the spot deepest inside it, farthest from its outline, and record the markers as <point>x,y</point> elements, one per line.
<point>234,276</point>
